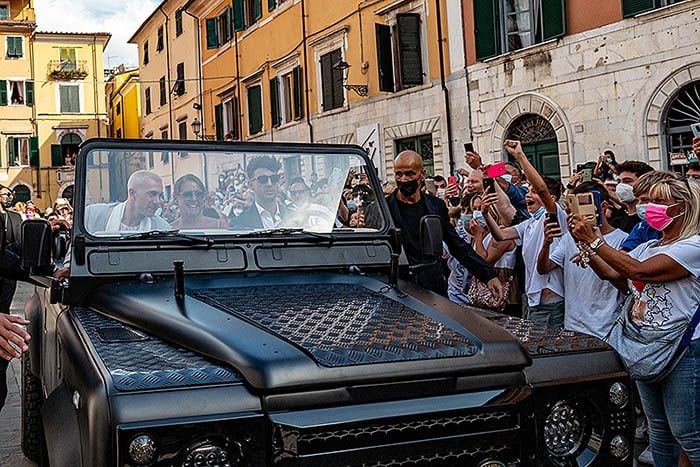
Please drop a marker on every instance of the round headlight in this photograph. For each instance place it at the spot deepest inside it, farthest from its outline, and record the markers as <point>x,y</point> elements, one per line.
<point>563,430</point>
<point>619,447</point>
<point>618,394</point>
<point>142,450</point>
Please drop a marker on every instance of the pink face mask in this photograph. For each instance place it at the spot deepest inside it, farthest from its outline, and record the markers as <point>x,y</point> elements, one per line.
<point>658,218</point>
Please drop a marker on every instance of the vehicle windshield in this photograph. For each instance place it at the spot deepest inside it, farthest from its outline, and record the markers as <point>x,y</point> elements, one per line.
<point>227,193</point>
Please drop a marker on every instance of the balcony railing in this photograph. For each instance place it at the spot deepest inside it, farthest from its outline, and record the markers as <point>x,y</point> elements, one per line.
<point>67,69</point>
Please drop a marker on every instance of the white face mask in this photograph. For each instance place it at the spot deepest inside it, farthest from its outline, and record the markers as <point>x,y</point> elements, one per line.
<point>624,192</point>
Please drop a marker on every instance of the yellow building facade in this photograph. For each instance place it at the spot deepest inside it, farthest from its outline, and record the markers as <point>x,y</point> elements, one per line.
<point>17,97</point>
<point>170,85</point>
<point>375,73</point>
<point>70,106</point>
<point>123,91</point>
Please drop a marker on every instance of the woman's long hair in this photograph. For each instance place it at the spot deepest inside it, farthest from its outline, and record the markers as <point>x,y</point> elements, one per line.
<point>688,194</point>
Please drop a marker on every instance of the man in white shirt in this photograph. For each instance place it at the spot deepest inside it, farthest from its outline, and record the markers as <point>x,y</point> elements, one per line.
<point>591,303</point>
<point>264,181</point>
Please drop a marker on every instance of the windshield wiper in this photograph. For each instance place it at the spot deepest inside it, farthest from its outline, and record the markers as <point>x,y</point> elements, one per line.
<point>167,233</point>
<point>287,231</point>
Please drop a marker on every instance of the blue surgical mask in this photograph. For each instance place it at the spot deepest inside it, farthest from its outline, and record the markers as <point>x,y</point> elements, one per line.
<point>537,214</point>
<point>465,218</point>
<point>479,216</point>
<point>352,205</point>
<point>507,177</point>
<point>642,211</point>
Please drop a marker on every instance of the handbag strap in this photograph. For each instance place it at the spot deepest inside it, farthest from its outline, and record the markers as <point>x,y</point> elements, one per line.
<point>688,335</point>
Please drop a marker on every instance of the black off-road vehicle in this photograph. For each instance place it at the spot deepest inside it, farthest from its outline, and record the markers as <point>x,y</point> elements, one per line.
<point>199,328</point>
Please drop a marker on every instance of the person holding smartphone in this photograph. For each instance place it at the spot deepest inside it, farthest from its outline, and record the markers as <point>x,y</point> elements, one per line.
<point>606,166</point>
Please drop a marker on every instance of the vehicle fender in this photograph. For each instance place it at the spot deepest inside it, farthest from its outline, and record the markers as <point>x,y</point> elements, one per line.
<point>61,429</point>
<point>33,313</point>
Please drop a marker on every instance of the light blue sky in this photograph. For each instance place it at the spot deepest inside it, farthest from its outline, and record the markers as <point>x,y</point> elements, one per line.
<point>121,18</point>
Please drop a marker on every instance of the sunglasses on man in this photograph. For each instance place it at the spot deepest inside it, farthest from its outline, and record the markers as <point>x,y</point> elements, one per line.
<point>264,179</point>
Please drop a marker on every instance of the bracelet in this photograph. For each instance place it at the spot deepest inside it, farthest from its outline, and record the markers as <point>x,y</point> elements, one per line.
<point>596,244</point>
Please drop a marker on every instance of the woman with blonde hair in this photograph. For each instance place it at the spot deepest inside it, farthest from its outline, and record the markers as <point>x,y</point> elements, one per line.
<point>663,276</point>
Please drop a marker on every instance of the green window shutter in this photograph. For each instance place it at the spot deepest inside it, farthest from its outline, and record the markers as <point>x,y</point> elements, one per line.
<point>298,106</point>
<point>410,59</point>
<point>212,37</point>
<point>227,25</point>
<point>275,102</point>
<point>384,58</point>
<point>271,4</point>
<point>634,7</point>
<point>326,82</point>
<point>338,92</point>
<point>238,15</point>
<point>56,155</point>
<point>18,47</point>
<point>553,19</point>
<point>29,92</point>
<point>3,92</point>
<point>34,151</point>
<point>257,10</point>
<point>255,109</point>
<point>486,31</point>
<point>219,121</point>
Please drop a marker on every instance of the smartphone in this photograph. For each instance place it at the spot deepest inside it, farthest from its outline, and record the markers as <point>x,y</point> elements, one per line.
<point>454,201</point>
<point>496,170</point>
<point>587,175</point>
<point>695,128</point>
<point>552,218</point>
<point>452,180</point>
<point>430,186</point>
<point>584,205</point>
<point>489,185</point>
<point>469,147</point>
<point>598,201</point>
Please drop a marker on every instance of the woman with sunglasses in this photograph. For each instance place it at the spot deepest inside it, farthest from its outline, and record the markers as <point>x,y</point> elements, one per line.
<point>190,194</point>
<point>664,278</point>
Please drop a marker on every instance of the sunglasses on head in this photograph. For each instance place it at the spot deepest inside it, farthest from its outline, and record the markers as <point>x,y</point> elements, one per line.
<point>264,179</point>
<point>196,194</point>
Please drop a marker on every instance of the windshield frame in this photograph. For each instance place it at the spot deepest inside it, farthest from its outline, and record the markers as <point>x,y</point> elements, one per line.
<point>232,236</point>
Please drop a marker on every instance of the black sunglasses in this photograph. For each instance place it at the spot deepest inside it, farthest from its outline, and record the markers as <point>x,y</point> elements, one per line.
<point>263,179</point>
<point>198,194</point>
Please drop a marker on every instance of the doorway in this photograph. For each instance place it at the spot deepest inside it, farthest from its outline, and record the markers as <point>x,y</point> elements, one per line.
<point>539,141</point>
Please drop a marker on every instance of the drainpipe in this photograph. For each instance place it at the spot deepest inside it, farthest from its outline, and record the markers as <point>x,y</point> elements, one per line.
<point>306,72</point>
<point>199,66</point>
<point>94,86</point>
<point>443,84</point>
<point>121,99</point>
<point>239,120</point>
<point>168,88</point>
<point>466,76</point>
<point>35,124</point>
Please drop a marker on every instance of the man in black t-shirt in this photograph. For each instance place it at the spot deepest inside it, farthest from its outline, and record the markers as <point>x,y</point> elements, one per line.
<point>408,204</point>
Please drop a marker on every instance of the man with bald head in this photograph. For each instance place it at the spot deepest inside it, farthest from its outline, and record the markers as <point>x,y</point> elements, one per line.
<point>137,213</point>
<point>408,204</point>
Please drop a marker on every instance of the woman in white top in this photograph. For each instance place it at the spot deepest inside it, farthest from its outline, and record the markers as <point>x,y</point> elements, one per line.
<point>664,277</point>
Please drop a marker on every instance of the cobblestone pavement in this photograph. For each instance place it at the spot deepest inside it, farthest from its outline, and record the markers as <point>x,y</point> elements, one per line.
<point>10,417</point>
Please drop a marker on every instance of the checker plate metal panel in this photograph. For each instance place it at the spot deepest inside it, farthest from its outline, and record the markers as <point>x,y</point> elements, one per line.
<point>341,325</point>
<point>149,363</point>
<point>540,339</point>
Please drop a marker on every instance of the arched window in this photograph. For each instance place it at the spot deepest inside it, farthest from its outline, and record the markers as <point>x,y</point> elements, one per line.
<point>22,193</point>
<point>539,141</point>
<point>683,110</point>
<point>69,147</point>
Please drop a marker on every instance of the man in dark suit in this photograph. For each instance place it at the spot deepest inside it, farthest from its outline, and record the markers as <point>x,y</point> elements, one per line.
<point>266,212</point>
<point>407,205</point>
<point>10,223</point>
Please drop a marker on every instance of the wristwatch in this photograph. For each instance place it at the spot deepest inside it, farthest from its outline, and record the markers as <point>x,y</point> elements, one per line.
<point>596,244</point>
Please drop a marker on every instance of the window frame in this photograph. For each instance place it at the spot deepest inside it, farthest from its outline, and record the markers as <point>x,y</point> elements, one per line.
<point>180,82</point>
<point>182,135</point>
<point>160,41</point>
<point>178,22</point>
<point>287,108</point>
<point>258,83</point>
<point>503,18</point>
<point>224,26</point>
<point>22,83</point>
<point>162,92</point>
<point>230,126</point>
<point>147,99</point>
<point>146,57</point>
<point>80,93</point>
<point>7,48</point>
<point>335,40</point>
<point>9,11</point>
<point>19,157</point>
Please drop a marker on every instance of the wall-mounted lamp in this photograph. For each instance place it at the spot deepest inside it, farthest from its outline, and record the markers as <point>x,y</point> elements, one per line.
<point>196,127</point>
<point>361,90</point>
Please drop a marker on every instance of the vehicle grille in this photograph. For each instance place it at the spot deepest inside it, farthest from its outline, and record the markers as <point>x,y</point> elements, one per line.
<point>456,438</point>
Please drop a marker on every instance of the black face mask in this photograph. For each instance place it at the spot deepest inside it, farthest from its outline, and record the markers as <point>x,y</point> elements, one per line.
<point>8,202</point>
<point>408,188</point>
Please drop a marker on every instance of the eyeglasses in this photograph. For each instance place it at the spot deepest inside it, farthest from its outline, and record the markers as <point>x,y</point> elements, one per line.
<point>264,179</point>
<point>297,193</point>
<point>198,194</point>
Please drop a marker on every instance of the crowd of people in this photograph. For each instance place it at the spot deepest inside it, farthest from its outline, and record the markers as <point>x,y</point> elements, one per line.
<point>617,236</point>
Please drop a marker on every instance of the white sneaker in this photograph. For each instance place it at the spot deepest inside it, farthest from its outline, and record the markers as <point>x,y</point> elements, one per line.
<point>645,457</point>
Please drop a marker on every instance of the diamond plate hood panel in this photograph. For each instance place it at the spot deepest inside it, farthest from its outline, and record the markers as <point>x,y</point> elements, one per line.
<point>342,324</point>
<point>294,331</point>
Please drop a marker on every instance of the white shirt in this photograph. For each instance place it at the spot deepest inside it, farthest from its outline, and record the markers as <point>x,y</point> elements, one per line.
<point>671,303</point>
<point>531,237</point>
<point>268,220</point>
<point>591,304</point>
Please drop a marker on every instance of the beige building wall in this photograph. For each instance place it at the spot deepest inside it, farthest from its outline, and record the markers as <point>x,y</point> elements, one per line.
<point>168,116</point>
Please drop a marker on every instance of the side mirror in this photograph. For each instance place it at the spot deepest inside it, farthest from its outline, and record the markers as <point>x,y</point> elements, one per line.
<point>430,236</point>
<point>36,244</point>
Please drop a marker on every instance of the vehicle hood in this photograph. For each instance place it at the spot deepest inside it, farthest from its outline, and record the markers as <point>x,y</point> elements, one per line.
<point>291,331</point>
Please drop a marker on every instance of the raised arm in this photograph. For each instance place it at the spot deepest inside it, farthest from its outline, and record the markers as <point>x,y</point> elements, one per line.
<point>537,184</point>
